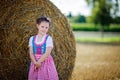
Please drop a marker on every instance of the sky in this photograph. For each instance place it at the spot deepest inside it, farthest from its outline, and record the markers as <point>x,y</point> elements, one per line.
<point>74,6</point>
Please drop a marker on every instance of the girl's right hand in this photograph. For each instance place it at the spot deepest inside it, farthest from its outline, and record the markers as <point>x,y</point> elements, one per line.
<point>37,64</point>
<point>35,68</point>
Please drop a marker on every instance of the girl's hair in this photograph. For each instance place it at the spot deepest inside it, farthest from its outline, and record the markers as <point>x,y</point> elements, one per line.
<point>41,19</point>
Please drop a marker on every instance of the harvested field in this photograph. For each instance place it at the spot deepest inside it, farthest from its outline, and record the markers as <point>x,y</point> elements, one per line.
<point>97,62</point>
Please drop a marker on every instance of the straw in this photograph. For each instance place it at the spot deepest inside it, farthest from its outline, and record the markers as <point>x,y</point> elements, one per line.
<point>17,24</point>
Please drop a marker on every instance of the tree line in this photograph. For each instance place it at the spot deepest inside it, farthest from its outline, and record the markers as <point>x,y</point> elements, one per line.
<point>104,13</point>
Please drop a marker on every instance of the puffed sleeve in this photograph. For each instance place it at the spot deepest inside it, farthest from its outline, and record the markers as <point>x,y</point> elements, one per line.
<point>30,41</point>
<point>49,42</point>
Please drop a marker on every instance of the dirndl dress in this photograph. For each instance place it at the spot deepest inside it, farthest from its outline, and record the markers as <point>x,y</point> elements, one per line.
<point>47,70</point>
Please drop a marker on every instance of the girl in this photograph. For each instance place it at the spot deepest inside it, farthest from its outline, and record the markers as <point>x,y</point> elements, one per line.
<point>40,46</point>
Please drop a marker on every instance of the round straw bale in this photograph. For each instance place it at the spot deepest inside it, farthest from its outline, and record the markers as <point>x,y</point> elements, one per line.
<point>17,24</point>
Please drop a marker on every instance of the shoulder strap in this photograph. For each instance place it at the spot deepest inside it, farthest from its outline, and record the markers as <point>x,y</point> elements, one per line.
<point>33,40</point>
<point>46,37</point>
<point>33,44</point>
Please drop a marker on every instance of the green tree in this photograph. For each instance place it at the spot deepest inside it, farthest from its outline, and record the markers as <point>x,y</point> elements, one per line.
<point>101,14</point>
<point>116,20</point>
<point>115,8</point>
<point>79,19</point>
<point>111,8</point>
<point>114,5</point>
<point>69,15</point>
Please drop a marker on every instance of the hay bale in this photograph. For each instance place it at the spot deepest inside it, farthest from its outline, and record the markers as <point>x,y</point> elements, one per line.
<point>17,24</point>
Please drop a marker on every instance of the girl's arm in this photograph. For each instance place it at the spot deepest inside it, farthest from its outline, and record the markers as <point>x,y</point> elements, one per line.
<point>32,55</point>
<point>44,56</point>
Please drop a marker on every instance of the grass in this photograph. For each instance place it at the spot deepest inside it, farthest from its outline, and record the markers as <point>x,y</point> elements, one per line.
<point>83,27</point>
<point>92,27</point>
<point>97,62</point>
<point>103,40</point>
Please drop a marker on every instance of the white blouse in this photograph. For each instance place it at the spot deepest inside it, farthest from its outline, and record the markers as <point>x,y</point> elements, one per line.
<point>49,41</point>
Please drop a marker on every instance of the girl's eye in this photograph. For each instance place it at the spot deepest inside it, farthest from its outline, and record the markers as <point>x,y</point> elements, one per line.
<point>42,26</point>
<point>46,27</point>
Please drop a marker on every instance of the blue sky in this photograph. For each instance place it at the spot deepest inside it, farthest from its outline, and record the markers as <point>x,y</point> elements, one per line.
<point>74,6</point>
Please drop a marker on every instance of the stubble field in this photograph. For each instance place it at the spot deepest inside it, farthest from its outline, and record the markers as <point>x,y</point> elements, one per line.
<point>97,62</point>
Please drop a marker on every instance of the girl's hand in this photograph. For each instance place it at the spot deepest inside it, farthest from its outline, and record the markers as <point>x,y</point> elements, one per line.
<point>35,68</point>
<point>37,65</point>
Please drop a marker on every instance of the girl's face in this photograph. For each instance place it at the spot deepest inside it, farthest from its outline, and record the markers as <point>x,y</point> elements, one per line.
<point>43,27</point>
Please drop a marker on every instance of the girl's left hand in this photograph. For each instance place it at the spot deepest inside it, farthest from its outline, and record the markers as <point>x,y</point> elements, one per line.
<point>38,64</point>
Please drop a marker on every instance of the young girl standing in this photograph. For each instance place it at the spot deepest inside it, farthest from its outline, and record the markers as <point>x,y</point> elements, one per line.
<point>40,46</point>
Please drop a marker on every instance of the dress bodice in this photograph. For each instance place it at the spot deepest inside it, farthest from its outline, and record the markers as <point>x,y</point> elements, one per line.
<point>39,48</point>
